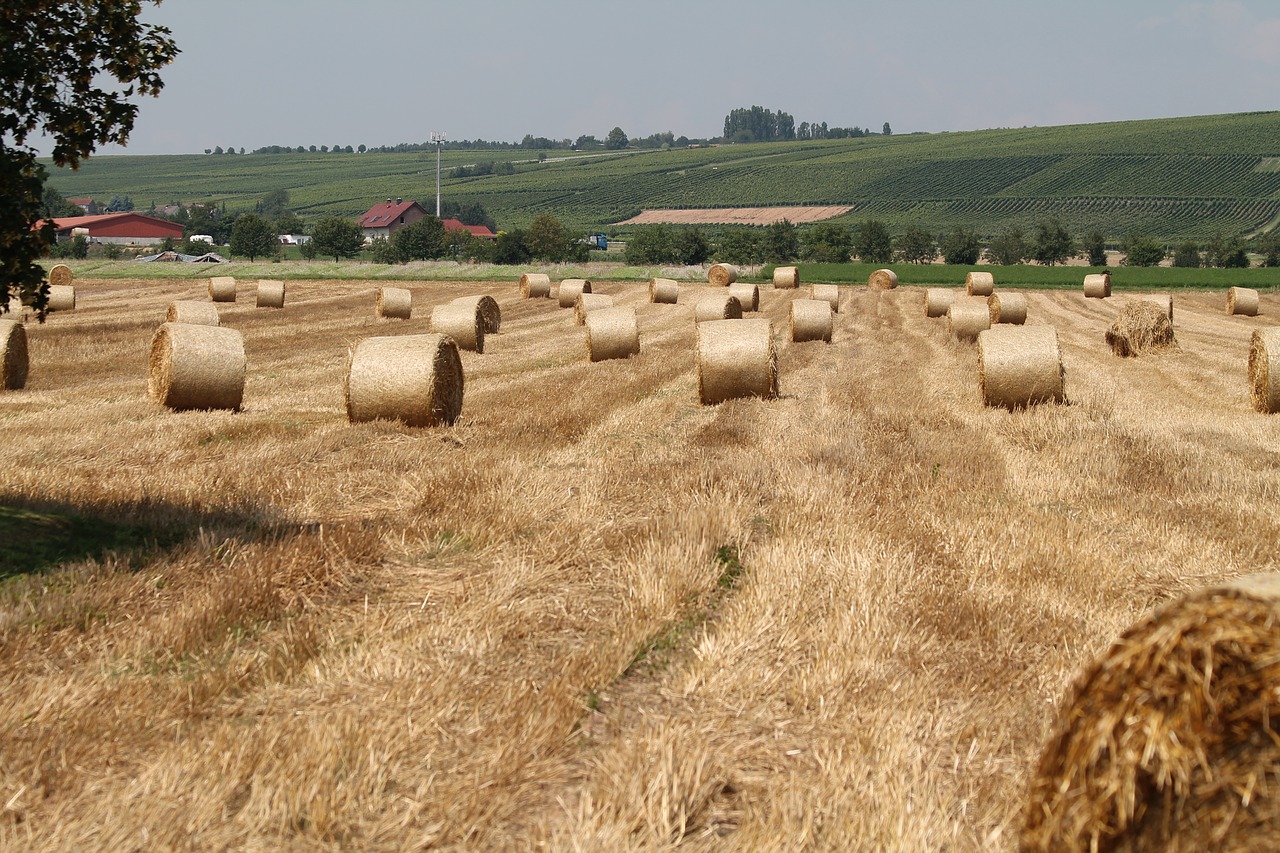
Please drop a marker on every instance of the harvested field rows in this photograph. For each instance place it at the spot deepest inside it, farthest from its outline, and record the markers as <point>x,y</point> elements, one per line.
<point>594,614</point>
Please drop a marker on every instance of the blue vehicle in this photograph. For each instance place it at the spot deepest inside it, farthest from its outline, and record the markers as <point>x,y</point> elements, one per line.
<point>598,241</point>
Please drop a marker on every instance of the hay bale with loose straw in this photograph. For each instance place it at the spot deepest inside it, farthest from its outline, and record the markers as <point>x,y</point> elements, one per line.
<point>1170,740</point>
<point>736,358</point>
<point>535,285</point>
<point>222,288</point>
<point>191,311</point>
<point>270,293</point>
<point>722,307</point>
<point>1097,286</point>
<point>62,297</point>
<point>416,379</point>
<point>748,295</point>
<point>395,303</point>
<point>1020,366</point>
<point>196,367</point>
<point>664,291</point>
<point>811,320</point>
<point>612,333</point>
<point>461,322</point>
<point>883,280</point>
<point>1242,301</point>
<point>1264,381</point>
<point>786,278</point>
<point>827,293</point>
<point>1164,300</point>
<point>588,302</point>
<point>979,284</point>
<point>1009,308</point>
<point>13,355</point>
<point>60,275</point>
<point>937,300</point>
<point>968,317</point>
<point>490,312</point>
<point>1140,327</point>
<point>722,275</point>
<point>571,289</point>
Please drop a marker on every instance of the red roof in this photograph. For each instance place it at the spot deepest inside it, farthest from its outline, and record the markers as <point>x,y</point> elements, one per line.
<point>127,224</point>
<point>475,230</point>
<point>382,215</point>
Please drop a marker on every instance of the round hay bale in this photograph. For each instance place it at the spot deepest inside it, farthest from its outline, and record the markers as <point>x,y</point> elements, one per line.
<point>1097,286</point>
<point>722,275</point>
<point>571,289</point>
<point>222,288</point>
<point>1008,308</point>
<point>979,284</point>
<point>736,358</point>
<point>664,291</point>
<point>1020,366</point>
<point>191,311</point>
<point>13,355</point>
<point>395,303</point>
<point>535,285</point>
<point>827,293</point>
<point>1167,741</point>
<point>786,278</point>
<point>748,295</point>
<point>1164,300</point>
<point>724,307</point>
<point>968,317</point>
<point>612,333</point>
<point>883,280</point>
<point>60,275</point>
<point>811,320</point>
<point>1140,327</point>
<point>1264,383</point>
<point>461,322</point>
<point>62,297</point>
<point>1242,301</point>
<point>588,302</point>
<point>490,312</point>
<point>270,293</point>
<point>196,367</point>
<point>416,379</point>
<point>937,300</point>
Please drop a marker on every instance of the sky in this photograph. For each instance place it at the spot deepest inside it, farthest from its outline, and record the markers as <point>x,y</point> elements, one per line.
<point>335,72</point>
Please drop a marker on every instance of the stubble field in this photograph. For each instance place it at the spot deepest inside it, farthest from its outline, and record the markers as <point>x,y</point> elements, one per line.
<point>593,614</point>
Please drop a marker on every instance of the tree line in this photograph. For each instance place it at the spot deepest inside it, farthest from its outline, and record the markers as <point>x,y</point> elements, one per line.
<point>757,124</point>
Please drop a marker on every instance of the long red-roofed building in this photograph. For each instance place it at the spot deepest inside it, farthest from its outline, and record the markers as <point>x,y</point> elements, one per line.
<point>127,228</point>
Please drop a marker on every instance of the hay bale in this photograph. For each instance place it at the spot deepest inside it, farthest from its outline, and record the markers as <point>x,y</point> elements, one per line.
<point>62,297</point>
<point>612,333</point>
<point>191,311</point>
<point>270,293</point>
<point>736,358</point>
<point>1243,301</point>
<point>664,291</point>
<point>13,355</point>
<point>979,284</point>
<point>196,367</point>
<point>1008,308</point>
<point>748,295</point>
<point>395,303</point>
<point>461,322</point>
<point>786,278</point>
<point>535,285</point>
<point>1140,327</point>
<point>723,307</point>
<point>811,320</point>
<point>722,275</point>
<point>883,280</point>
<point>968,317</point>
<point>60,275</point>
<point>827,293</point>
<point>490,312</point>
<point>1264,383</point>
<point>588,302</point>
<point>222,288</point>
<point>1169,740</point>
<point>571,289</point>
<point>937,300</point>
<point>1164,300</point>
<point>1020,366</point>
<point>1097,285</point>
<point>416,379</point>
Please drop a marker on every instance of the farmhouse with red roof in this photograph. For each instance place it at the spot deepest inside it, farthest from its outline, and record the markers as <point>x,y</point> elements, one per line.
<point>385,219</point>
<point>134,229</point>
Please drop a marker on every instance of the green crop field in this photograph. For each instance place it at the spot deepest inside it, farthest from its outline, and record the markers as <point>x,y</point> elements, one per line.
<point>1173,179</point>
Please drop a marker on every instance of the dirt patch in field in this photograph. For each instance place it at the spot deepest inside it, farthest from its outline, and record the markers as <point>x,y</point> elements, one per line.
<point>737,215</point>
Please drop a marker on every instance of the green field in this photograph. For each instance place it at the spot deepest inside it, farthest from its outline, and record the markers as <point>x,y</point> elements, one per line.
<point>1174,179</point>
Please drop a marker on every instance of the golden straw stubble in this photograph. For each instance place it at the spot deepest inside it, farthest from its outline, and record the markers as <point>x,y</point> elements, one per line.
<point>415,379</point>
<point>395,303</point>
<point>1264,382</point>
<point>14,362</point>
<point>1020,366</point>
<point>736,358</point>
<point>612,333</point>
<point>196,367</point>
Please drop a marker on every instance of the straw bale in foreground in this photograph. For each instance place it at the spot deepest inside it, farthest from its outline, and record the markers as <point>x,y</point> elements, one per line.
<point>588,302</point>
<point>1097,285</point>
<point>612,333</point>
<point>979,284</point>
<point>196,367</point>
<point>416,379</point>
<point>191,311</point>
<point>736,358</point>
<point>1008,308</point>
<point>490,312</point>
<point>748,295</point>
<point>720,307</point>
<point>786,278</point>
<point>1243,301</point>
<point>811,320</point>
<point>571,289</point>
<point>535,285</point>
<point>1170,740</point>
<point>968,317</point>
<point>462,322</point>
<point>1141,326</point>
<point>664,291</point>
<point>13,355</point>
<point>395,303</point>
<point>883,280</point>
<point>937,300</point>
<point>1264,381</point>
<point>270,293</point>
<point>722,275</point>
<point>60,275</point>
<point>828,293</point>
<point>1164,300</point>
<point>222,288</point>
<point>1020,366</point>
<point>62,297</point>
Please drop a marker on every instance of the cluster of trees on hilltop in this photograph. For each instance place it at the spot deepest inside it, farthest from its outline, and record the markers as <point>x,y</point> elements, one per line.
<point>757,124</point>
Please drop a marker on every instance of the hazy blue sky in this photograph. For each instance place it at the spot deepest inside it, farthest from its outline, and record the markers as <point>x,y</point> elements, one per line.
<point>320,72</point>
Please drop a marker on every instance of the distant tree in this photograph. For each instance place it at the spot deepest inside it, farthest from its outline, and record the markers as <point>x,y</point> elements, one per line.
<point>1187,255</point>
<point>1226,252</point>
<point>691,246</point>
<point>1008,248</point>
<point>196,247</point>
<point>1052,243</point>
<point>53,204</point>
<point>827,243</point>
<point>781,243</point>
<point>273,204</point>
<point>381,251</point>
<point>510,248</point>
<point>916,246</point>
<point>650,244</point>
<point>308,249</point>
<point>423,240</point>
<point>547,239</point>
<point>119,204</point>
<point>739,246</point>
<point>253,237</point>
<point>1268,245</point>
<point>616,140</point>
<point>960,247</point>
<point>112,251</point>
<point>888,131</point>
<point>337,237</point>
<point>1141,251</point>
<point>587,143</point>
<point>1093,248</point>
<point>288,223</point>
<point>361,148</point>
<point>873,244</point>
<point>758,124</point>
